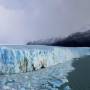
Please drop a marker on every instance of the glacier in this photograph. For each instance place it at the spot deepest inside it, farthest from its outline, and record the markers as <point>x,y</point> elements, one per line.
<point>21,66</point>
<point>16,60</point>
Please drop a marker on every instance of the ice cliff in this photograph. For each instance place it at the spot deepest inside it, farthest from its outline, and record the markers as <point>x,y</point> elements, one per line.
<point>16,60</point>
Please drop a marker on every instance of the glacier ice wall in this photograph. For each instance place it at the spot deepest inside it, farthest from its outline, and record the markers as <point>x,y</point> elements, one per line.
<point>16,60</point>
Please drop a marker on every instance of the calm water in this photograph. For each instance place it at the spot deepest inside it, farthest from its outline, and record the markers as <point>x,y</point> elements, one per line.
<point>79,79</point>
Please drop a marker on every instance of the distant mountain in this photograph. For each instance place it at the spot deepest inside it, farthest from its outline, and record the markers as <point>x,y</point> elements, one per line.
<point>44,42</point>
<point>79,39</point>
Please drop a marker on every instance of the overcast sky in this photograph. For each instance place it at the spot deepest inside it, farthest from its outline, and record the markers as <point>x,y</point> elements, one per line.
<point>27,20</point>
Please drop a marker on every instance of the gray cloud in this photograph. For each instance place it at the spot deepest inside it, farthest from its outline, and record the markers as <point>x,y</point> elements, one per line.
<point>14,4</point>
<point>25,20</point>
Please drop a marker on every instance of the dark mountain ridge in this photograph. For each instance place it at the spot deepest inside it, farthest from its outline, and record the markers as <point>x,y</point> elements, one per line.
<point>78,39</point>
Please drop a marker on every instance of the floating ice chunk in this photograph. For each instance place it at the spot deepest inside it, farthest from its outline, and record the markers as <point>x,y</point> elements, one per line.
<point>56,83</point>
<point>67,88</point>
<point>6,87</point>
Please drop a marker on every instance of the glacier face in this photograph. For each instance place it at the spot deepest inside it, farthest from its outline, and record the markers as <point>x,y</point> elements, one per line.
<point>16,60</point>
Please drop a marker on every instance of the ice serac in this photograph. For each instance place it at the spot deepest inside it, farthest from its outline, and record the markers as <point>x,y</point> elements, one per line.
<point>16,60</point>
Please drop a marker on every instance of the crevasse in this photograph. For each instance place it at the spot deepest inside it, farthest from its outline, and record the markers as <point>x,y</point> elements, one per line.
<point>16,60</point>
